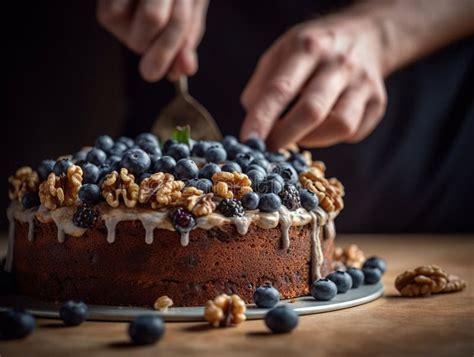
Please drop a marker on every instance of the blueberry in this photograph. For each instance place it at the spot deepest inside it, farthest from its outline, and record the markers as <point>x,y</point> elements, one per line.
<point>104,143</point>
<point>229,141</point>
<point>275,156</point>
<point>73,313</point>
<point>299,167</point>
<point>114,161</point>
<point>128,142</point>
<point>236,149</point>
<point>150,148</point>
<point>357,276</point>
<point>342,280</point>
<point>244,160</point>
<point>104,170</point>
<point>118,149</point>
<point>263,163</point>
<point>208,170</point>
<point>199,149</point>
<point>202,184</point>
<point>231,166</point>
<point>96,156</point>
<point>80,155</point>
<point>90,193</point>
<point>90,172</point>
<point>216,155</point>
<point>258,168</point>
<point>281,319</point>
<point>256,144</point>
<point>269,202</point>
<point>286,171</point>
<point>16,324</point>
<point>309,200</point>
<point>273,183</point>
<point>256,176</point>
<point>376,262</point>
<point>136,161</point>
<point>250,200</point>
<point>323,289</point>
<point>165,164</point>
<point>61,166</point>
<point>186,169</point>
<point>258,155</point>
<point>372,275</point>
<point>178,151</point>
<point>167,144</point>
<point>146,329</point>
<point>266,296</point>
<point>144,138</point>
<point>30,200</point>
<point>45,168</point>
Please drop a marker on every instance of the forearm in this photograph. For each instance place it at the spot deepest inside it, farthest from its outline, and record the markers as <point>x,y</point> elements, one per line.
<point>411,29</point>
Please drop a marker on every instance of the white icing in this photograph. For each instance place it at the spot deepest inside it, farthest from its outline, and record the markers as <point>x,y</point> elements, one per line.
<point>317,257</point>
<point>63,218</point>
<point>285,224</point>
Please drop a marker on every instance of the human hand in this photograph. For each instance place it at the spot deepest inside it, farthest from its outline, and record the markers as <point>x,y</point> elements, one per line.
<point>165,33</point>
<point>333,69</point>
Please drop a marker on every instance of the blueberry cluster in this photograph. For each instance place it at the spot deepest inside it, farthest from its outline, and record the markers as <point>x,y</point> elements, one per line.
<point>339,282</point>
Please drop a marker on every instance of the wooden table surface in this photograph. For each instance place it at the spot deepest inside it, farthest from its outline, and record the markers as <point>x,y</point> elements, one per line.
<point>390,326</point>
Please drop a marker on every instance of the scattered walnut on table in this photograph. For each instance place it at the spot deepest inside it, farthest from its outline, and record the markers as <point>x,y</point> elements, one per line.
<point>160,190</point>
<point>58,191</point>
<point>25,180</point>
<point>120,185</point>
<point>225,311</point>
<point>351,256</point>
<point>455,283</point>
<point>329,192</point>
<point>163,303</point>
<point>422,281</point>
<point>231,184</point>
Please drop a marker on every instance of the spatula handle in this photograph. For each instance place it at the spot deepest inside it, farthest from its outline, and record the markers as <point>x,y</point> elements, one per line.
<point>182,85</point>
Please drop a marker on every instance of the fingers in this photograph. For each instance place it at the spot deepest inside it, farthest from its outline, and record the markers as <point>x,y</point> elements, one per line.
<point>186,61</point>
<point>314,105</point>
<point>150,18</point>
<point>344,119</point>
<point>158,58</point>
<point>280,75</point>
<point>115,16</point>
<point>374,112</point>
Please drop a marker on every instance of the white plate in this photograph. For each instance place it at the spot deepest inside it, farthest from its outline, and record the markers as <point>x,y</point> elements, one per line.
<point>303,306</point>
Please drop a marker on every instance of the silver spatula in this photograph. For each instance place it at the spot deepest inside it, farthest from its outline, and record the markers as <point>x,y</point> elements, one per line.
<point>185,110</point>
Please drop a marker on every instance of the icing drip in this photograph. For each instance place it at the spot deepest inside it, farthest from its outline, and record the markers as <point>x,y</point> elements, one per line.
<point>63,219</point>
<point>317,257</point>
<point>285,224</point>
<point>242,223</point>
<point>184,238</point>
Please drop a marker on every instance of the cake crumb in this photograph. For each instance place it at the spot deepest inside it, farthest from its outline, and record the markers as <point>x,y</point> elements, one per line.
<point>163,303</point>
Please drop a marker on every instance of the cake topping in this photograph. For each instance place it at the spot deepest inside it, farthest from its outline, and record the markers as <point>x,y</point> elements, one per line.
<point>231,184</point>
<point>58,191</point>
<point>160,190</point>
<point>122,185</point>
<point>202,205</point>
<point>290,197</point>
<point>230,207</point>
<point>85,216</point>
<point>25,180</point>
<point>329,192</point>
<point>351,256</point>
<point>225,311</point>
<point>183,221</point>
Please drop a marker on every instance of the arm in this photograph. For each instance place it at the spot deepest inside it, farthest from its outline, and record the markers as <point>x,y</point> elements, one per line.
<point>335,68</point>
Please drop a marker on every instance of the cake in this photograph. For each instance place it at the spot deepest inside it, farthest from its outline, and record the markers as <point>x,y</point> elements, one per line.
<point>128,221</point>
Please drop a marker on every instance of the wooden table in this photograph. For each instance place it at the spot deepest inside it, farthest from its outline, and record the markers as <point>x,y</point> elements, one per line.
<point>432,326</point>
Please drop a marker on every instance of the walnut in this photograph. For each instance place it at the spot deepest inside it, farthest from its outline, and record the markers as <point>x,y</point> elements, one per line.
<point>160,190</point>
<point>351,256</point>
<point>58,191</point>
<point>122,185</point>
<point>231,184</point>
<point>197,203</point>
<point>329,192</point>
<point>25,180</point>
<point>163,303</point>
<point>455,283</point>
<point>225,311</point>
<point>424,280</point>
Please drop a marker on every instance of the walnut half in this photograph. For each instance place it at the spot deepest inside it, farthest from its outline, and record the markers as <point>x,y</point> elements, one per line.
<point>231,184</point>
<point>329,192</point>
<point>225,311</point>
<point>422,281</point>
<point>58,191</point>
<point>25,180</point>
<point>160,190</point>
<point>116,186</point>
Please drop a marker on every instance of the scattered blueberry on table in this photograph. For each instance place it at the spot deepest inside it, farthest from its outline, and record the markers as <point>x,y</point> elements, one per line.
<point>266,296</point>
<point>73,313</point>
<point>342,280</point>
<point>15,324</point>
<point>146,329</point>
<point>323,289</point>
<point>281,319</point>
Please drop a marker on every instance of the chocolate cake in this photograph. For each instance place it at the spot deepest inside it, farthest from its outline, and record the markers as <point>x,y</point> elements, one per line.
<point>128,221</point>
